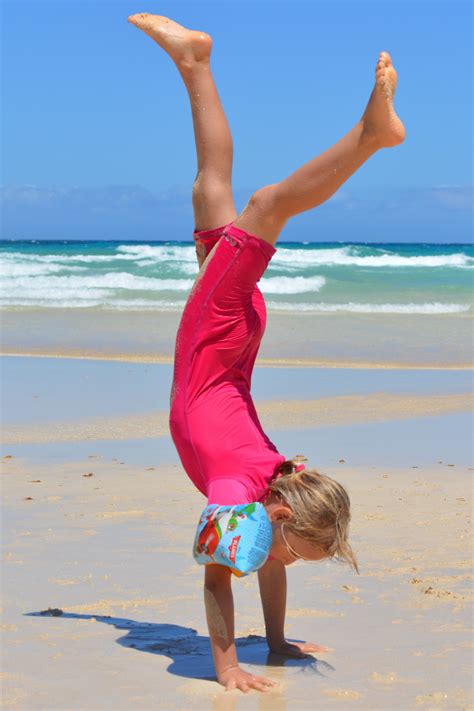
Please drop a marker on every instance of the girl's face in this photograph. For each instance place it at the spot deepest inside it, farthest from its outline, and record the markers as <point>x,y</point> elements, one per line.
<point>287,547</point>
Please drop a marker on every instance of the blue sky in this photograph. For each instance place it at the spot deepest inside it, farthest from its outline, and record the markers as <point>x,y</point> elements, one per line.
<point>97,134</point>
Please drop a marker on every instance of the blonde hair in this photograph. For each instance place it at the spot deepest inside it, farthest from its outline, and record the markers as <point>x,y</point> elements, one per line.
<point>320,506</point>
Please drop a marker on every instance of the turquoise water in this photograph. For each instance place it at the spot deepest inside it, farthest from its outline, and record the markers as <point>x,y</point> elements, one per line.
<point>322,277</point>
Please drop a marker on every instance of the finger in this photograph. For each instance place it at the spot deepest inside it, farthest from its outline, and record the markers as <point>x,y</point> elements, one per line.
<point>260,687</point>
<point>244,687</point>
<point>295,651</point>
<point>230,686</point>
<point>314,648</point>
<point>264,680</point>
<point>310,647</point>
<point>262,684</point>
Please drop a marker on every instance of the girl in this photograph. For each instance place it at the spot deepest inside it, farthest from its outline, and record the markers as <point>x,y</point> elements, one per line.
<point>213,420</point>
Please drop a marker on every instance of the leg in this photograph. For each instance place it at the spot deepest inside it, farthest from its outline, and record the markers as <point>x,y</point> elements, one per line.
<point>270,208</point>
<point>213,200</point>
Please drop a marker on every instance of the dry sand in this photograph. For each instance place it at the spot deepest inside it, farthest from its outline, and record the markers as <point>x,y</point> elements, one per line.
<point>112,551</point>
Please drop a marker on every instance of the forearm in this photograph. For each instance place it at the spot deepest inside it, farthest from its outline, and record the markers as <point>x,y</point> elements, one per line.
<point>219,605</point>
<point>272,582</point>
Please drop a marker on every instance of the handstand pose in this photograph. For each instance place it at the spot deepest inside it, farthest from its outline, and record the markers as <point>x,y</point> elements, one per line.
<point>213,420</point>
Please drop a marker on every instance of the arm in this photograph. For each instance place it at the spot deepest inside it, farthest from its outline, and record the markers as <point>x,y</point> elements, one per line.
<point>272,582</point>
<point>220,619</point>
<point>219,604</point>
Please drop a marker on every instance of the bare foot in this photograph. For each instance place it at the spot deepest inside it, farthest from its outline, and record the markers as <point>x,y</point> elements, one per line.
<point>380,121</point>
<point>184,46</point>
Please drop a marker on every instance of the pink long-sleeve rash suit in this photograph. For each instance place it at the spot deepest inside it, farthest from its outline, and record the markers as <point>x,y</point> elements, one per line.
<point>213,421</point>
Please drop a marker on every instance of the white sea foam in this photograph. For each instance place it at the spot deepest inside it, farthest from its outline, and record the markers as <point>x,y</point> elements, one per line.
<point>110,280</point>
<point>96,299</point>
<point>351,307</point>
<point>347,256</point>
<point>66,258</point>
<point>189,268</point>
<point>284,258</point>
<point>165,252</point>
<point>51,304</point>
<point>155,255</point>
<point>291,285</point>
<point>96,303</point>
<point>12,270</point>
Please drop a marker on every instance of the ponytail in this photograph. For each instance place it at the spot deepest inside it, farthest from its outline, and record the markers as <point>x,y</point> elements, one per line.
<point>320,506</point>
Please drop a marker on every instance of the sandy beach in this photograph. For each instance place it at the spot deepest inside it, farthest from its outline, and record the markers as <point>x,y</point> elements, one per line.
<point>289,175</point>
<point>337,340</point>
<point>111,554</point>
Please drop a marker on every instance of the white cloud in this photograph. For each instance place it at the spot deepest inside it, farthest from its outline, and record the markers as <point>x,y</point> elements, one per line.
<point>130,197</point>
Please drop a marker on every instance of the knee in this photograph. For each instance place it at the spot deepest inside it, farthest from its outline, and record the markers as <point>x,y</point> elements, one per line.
<point>210,188</point>
<point>264,204</point>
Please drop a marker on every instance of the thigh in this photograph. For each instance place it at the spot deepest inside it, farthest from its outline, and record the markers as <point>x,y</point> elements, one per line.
<point>222,324</point>
<point>247,359</point>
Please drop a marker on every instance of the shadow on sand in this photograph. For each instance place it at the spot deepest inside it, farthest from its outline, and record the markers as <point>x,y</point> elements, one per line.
<point>191,652</point>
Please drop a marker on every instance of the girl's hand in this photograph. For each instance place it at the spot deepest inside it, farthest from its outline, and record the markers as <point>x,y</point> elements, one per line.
<point>296,649</point>
<point>237,678</point>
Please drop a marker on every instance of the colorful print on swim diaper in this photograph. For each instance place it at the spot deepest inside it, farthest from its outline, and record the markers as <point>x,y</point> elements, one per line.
<point>239,537</point>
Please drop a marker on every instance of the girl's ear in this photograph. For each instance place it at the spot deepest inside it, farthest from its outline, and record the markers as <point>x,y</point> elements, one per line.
<point>282,513</point>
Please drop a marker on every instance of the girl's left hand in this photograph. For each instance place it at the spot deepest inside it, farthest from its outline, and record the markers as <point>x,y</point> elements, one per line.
<point>297,649</point>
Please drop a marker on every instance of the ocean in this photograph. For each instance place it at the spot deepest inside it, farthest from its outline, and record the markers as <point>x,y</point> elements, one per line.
<point>302,276</point>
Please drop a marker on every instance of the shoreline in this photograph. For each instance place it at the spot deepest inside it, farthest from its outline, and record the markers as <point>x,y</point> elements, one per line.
<point>317,341</point>
<point>260,362</point>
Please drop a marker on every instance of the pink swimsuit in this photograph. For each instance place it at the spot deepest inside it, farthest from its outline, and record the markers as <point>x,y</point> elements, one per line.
<point>213,420</point>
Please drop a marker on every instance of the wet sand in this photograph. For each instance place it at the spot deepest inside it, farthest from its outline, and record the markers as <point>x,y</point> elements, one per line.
<point>309,340</point>
<point>274,415</point>
<point>98,519</point>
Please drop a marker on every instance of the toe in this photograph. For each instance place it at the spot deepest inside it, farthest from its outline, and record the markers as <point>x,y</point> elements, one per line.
<point>380,76</point>
<point>138,18</point>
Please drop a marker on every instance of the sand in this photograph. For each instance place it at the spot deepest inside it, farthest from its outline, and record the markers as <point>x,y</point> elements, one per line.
<point>309,340</point>
<point>110,554</point>
<point>274,414</point>
<point>111,550</point>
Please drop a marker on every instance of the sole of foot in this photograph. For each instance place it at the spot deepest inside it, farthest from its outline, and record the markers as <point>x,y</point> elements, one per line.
<point>183,46</point>
<point>381,123</point>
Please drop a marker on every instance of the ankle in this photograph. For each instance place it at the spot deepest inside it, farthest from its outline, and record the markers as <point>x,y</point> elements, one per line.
<point>369,136</point>
<point>188,67</point>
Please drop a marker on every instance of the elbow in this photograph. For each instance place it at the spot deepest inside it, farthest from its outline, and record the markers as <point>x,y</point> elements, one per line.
<point>216,577</point>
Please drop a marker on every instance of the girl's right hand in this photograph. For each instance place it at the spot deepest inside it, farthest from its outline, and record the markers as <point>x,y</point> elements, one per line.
<point>237,678</point>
